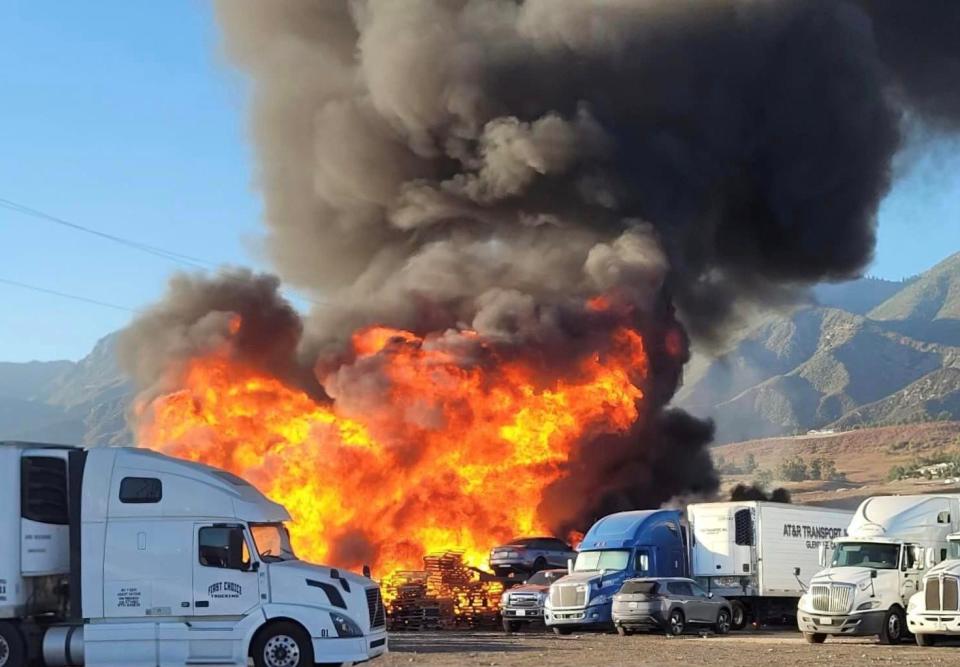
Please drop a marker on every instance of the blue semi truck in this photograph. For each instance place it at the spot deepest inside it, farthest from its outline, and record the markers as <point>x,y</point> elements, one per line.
<point>752,553</point>
<point>648,543</point>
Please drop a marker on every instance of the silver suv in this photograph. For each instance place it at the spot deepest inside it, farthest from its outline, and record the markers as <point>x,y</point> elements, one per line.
<point>530,554</point>
<point>671,604</point>
<point>524,604</point>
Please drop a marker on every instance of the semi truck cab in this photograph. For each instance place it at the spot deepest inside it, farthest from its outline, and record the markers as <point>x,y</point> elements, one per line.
<point>616,548</point>
<point>934,611</point>
<point>876,569</point>
<point>122,557</point>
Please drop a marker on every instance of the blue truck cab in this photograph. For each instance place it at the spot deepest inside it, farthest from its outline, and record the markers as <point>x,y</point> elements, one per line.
<point>648,543</point>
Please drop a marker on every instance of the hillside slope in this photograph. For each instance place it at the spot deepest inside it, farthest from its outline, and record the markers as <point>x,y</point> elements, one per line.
<point>81,402</point>
<point>827,367</point>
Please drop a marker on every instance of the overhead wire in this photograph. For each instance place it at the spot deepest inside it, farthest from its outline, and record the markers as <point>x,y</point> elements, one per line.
<point>67,295</point>
<point>171,255</point>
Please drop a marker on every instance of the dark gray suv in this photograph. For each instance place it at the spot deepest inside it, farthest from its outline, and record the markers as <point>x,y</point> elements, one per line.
<point>670,604</point>
<point>530,554</point>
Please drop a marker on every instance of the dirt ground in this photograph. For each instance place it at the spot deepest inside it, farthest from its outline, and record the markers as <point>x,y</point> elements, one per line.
<point>742,649</point>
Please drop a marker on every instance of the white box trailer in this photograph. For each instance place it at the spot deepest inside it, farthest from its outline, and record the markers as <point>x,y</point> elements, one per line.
<point>749,552</point>
<point>122,557</point>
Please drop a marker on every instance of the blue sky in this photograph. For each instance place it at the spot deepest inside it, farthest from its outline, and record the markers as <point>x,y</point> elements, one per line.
<point>122,115</point>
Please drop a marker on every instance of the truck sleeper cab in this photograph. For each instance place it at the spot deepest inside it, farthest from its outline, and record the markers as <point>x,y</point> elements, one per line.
<point>616,548</point>
<point>875,571</point>
<point>157,561</point>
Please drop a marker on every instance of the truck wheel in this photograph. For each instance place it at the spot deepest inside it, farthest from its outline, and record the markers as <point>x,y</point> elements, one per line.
<point>738,615</point>
<point>624,632</point>
<point>511,626</point>
<point>723,622</point>
<point>926,640</point>
<point>814,637</point>
<point>13,648</point>
<point>560,630</point>
<point>893,626</point>
<point>677,622</point>
<point>540,564</point>
<point>283,644</point>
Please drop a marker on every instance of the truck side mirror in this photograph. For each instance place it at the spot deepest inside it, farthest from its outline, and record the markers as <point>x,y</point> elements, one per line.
<point>796,571</point>
<point>822,554</point>
<point>873,574</point>
<point>569,566</point>
<point>930,557</point>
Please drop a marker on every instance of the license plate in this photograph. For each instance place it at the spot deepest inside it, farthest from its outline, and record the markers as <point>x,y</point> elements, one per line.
<point>521,612</point>
<point>826,621</point>
<point>634,605</point>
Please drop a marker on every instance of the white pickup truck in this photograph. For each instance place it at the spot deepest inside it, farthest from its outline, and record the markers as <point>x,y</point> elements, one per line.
<point>876,569</point>
<point>121,557</point>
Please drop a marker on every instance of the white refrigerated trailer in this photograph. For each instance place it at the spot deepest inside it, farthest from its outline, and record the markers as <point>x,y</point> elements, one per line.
<point>122,557</point>
<point>750,551</point>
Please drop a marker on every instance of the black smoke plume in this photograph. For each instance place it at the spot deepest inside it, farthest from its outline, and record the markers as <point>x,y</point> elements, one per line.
<point>491,164</point>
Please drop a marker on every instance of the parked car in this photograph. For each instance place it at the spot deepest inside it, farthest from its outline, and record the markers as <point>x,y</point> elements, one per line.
<point>530,554</point>
<point>671,604</point>
<point>524,604</point>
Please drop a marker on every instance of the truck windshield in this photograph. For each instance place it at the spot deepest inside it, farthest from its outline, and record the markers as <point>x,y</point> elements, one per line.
<point>954,550</point>
<point>605,559</point>
<point>866,554</point>
<point>272,541</point>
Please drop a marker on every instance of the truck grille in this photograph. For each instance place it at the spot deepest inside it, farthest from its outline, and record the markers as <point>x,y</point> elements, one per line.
<point>378,615</point>
<point>524,600</point>
<point>932,594</point>
<point>566,595</point>
<point>832,598</point>
<point>941,594</point>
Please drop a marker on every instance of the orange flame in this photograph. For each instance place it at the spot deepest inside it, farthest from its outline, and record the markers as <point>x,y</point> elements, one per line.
<point>434,455</point>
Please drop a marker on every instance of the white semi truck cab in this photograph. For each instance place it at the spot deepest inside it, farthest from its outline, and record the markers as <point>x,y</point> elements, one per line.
<point>875,570</point>
<point>934,611</point>
<point>122,557</point>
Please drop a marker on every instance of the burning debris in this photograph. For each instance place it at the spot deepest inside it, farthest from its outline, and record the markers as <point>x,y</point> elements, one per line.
<point>514,213</point>
<point>445,595</point>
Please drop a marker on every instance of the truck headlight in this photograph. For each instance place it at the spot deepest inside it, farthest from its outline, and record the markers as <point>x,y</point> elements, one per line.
<point>869,604</point>
<point>504,599</point>
<point>344,626</point>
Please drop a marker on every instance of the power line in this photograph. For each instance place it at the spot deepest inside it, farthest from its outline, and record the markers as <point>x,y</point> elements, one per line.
<point>65,295</point>
<point>195,262</point>
<point>188,260</point>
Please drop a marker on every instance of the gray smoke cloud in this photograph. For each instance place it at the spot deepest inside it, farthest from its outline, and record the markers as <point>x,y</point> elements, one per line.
<point>441,164</point>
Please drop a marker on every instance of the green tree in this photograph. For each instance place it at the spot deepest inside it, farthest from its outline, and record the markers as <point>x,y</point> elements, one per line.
<point>793,470</point>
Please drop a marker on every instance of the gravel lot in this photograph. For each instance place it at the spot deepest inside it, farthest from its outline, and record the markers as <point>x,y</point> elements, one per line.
<point>740,648</point>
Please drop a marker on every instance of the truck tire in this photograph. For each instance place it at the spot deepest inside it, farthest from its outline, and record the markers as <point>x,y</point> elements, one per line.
<point>894,626</point>
<point>13,648</point>
<point>814,637</point>
<point>282,644</point>
<point>926,640</point>
<point>511,626</point>
<point>738,615</point>
<point>560,630</point>
<point>539,564</point>
<point>722,626</point>
<point>677,623</point>
<point>624,632</point>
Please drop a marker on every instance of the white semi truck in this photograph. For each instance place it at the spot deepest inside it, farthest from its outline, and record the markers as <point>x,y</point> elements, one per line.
<point>876,569</point>
<point>934,611</point>
<point>749,552</point>
<point>121,557</point>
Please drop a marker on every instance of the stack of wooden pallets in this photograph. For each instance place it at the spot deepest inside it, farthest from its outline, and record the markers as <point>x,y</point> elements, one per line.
<point>446,594</point>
